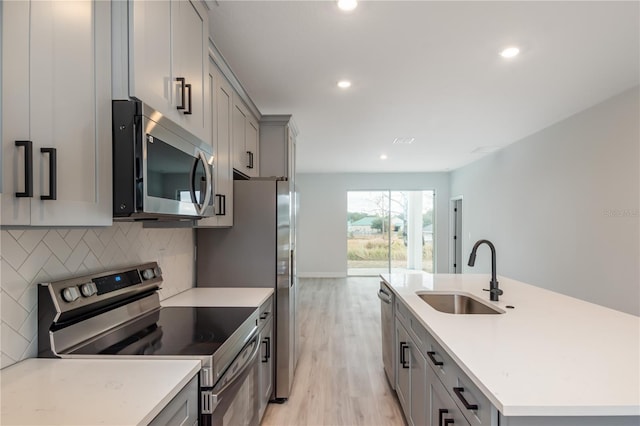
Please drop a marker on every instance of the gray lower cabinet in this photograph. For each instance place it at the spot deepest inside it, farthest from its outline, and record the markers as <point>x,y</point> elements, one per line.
<point>402,369</point>
<point>266,365</point>
<point>434,391</point>
<point>443,411</point>
<point>411,384</point>
<point>183,408</point>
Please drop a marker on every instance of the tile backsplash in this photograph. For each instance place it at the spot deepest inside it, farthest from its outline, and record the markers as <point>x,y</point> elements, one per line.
<point>30,256</point>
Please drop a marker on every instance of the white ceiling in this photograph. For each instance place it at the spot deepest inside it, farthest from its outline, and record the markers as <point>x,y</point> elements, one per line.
<point>428,70</point>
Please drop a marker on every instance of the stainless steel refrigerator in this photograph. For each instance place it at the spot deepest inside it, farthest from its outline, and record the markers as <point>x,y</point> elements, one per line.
<point>258,251</point>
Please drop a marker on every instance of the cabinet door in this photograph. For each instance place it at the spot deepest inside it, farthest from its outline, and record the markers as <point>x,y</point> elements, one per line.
<point>442,409</point>
<point>191,62</point>
<point>15,111</point>
<point>69,102</point>
<point>418,383</point>
<point>403,369</point>
<point>266,366</point>
<point>251,145</point>
<point>221,110</point>
<point>240,157</point>
<point>150,77</point>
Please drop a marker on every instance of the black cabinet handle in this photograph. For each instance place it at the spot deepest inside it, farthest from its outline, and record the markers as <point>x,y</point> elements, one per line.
<point>264,315</point>
<point>403,360</point>
<point>448,422</point>
<point>458,392</point>
<point>222,205</point>
<point>188,111</point>
<point>249,160</point>
<point>28,169</point>
<point>53,174</point>
<point>267,352</point>
<point>433,358</point>
<point>441,413</point>
<point>183,90</point>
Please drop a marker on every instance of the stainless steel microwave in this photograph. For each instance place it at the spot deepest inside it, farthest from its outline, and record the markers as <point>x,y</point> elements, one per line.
<point>160,170</point>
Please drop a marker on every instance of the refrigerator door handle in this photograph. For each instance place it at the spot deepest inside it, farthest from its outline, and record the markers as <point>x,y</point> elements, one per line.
<point>291,268</point>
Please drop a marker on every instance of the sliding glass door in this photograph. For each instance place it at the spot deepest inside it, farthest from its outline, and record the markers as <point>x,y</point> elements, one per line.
<point>389,231</point>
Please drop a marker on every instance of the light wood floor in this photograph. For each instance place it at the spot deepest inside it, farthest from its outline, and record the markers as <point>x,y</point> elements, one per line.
<point>339,379</point>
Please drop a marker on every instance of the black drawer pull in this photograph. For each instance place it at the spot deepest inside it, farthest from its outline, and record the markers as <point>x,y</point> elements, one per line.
<point>458,392</point>
<point>264,315</point>
<point>188,111</point>
<point>448,422</point>
<point>182,90</point>
<point>222,205</point>
<point>441,413</point>
<point>433,359</point>
<point>28,169</point>
<point>53,174</point>
<point>403,361</point>
<point>267,349</point>
<point>249,160</point>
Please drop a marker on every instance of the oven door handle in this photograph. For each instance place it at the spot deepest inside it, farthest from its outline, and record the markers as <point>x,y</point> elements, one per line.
<point>216,393</point>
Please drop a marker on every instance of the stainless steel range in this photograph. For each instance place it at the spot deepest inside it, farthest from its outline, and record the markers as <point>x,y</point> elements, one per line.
<point>118,314</point>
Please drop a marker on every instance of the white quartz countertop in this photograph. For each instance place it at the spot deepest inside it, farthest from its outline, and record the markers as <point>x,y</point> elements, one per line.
<point>41,391</point>
<point>552,355</point>
<point>220,297</point>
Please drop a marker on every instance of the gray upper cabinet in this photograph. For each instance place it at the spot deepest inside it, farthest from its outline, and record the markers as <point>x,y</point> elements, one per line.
<point>161,58</point>
<point>56,122</point>
<point>221,112</point>
<point>245,139</point>
<point>278,146</point>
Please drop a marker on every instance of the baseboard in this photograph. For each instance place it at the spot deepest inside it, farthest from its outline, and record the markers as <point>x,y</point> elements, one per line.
<point>322,275</point>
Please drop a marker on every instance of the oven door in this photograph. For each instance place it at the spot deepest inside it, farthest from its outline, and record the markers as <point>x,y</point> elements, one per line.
<point>177,175</point>
<point>235,398</point>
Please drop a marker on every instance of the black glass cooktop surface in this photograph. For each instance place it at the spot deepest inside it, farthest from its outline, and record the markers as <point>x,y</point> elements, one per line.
<point>171,331</point>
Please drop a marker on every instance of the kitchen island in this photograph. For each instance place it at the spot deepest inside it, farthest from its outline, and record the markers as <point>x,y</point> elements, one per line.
<point>49,392</point>
<point>548,359</point>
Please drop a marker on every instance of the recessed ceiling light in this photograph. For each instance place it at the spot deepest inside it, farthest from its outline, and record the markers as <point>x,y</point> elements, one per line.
<point>403,141</point>
<point>347,5</point>
<point>485,149</point>
<point>344,84</point>
<point>510,52</point>
<point>383,156</point>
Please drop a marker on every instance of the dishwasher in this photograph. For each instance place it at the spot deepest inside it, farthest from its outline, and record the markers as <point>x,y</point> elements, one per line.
<point>387,316</point>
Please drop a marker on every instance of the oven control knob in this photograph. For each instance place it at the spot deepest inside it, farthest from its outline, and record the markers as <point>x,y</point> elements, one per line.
<point>70,294</point>
<point>88,289</point>
<point>147,274</point>
<point>157,271</point>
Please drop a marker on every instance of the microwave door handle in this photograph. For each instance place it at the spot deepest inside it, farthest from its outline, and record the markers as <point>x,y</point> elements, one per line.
<point>201,208</point>
<point>207,194</point>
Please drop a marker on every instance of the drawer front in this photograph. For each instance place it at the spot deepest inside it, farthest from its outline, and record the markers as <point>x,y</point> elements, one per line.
<point>442,363</point>
<point>266,312</point>
<point>403,313</point>
<point>442,409</point>
<point>474,405</point>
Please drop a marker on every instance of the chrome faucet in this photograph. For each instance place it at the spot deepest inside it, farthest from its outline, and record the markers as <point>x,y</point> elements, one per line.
<point>494,291</point>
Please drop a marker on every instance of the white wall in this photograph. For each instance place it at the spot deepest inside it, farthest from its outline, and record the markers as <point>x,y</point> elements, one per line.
<point>322,220</point>
<point>34,255</point>
<point>562,206</point>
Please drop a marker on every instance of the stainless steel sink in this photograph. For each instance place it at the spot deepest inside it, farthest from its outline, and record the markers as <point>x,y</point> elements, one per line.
<point>457,303</point>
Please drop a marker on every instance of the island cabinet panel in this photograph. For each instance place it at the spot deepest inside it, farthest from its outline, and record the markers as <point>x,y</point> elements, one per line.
<point>569,421</point>
<point>434,390</point>
<point>403,368</point>
<point>56,113</point>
